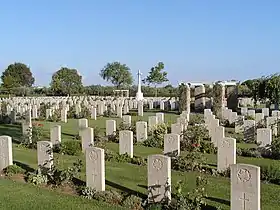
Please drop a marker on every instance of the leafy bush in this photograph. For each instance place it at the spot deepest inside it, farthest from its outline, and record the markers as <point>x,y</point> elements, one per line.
<point>71,147</point>
<point>132,202</point>
<point>196,119</point>
<point>271,173</point>
<point>37,178</point>
<point>13,169</point>
<point>275,148</point>
<point>156,136</point>
<point>5,119</point>
<point>34,134</point>
<point>193,161</point>
<point>124,158</point>
<point>194,200</point>
<point>249,152</point>
<point>54,176</point>
<point>193,136</point>
<point>111,196</point>
<point>207,147</point>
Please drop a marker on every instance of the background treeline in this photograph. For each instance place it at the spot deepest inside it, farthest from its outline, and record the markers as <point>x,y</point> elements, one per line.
<point>17,80</point>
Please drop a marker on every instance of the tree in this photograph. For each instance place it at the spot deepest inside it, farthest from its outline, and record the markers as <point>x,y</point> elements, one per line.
<point>273,89</point>
<point>17,75</point>
<point>66,81</point>
<point>156,76</point>
<point>118,74</point>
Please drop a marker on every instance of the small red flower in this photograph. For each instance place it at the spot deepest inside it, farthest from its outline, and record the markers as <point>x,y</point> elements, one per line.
<point>40,125</point>
<point>193,145</point>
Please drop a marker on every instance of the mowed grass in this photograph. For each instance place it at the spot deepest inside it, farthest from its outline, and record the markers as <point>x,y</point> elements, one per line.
<point>119,176</point>
<point>15,195</point>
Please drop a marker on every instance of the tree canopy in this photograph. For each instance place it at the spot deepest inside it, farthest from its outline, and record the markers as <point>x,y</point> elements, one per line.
<point>118,74</point>
<point>265,88</point>
<point>17,75</point>
<point>156,75</point>
<point>66,81</point>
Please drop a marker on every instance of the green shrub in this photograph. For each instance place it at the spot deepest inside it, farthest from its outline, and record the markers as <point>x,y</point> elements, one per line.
<point>132,202</point>
<point>156,136</point>
<point>5,119</point>
<point>207,147</point>
<point>192,161</point>
<point>71,147</point>
<point>13,169</point>
<point>196,119</point>
<point>275,148</point>
<point>193,136</point>
<point>112,197</point>
<point>271,173</point>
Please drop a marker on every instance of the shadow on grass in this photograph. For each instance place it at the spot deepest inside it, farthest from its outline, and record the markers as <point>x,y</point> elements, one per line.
<point>67,134</point>
<point>78,182</point>
<point>142,186</point>
<point>12,130</point>
<point>124,189</point>
<point>24,166</point>
<point>218,200</point>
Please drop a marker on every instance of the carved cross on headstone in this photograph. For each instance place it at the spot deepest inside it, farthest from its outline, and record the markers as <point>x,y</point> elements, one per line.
<point>244,199</point>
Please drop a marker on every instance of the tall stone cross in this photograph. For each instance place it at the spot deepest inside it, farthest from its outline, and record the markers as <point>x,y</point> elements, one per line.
<point>139,80</point>
<point>139,94</point>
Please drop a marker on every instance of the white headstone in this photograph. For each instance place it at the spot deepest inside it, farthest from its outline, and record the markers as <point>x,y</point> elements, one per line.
<point>95,168</point>
<point>126,143</point>
<point>172,144</point>
<point>245,187</point>
<point>159,178</point>
<point>226,153</point>
<point>6,152</point>
<point>45,154</point>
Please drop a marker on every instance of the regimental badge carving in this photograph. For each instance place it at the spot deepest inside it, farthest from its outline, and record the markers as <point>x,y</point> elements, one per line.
<point>243,175</point>
<point>157,164</point>
<point>93,155</point>
<point>171,139</point>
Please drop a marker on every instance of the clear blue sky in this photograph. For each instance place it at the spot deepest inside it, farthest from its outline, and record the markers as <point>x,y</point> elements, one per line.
<point>198,40</point>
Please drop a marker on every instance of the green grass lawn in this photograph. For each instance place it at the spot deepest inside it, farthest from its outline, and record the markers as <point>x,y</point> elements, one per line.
<point>15,195</point>
<point>120,176</point>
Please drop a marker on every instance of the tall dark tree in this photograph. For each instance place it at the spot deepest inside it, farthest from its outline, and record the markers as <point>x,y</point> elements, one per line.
<point>66,81</point>
<point>156,76</point>
<point>17,75</point>
<point>118,74</point>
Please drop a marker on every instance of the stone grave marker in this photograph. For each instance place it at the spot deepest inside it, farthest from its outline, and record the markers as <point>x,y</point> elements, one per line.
<point>87,136</point>
<point>264,136</point>
<point>245,187</point>
<point>110,127</point>
<point>172,144</point>
<point>45,154</point>
<point>249,130</point>
<point>6,152</point>
<point>126,120</point>
<point>152,122</point>
<point>95,168</point>
<point>126,143</point>
<point>55,134</point>
<point>160,117</point>
<point>159,178</point>
<point>141,131</point>
<point>226,153</point>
